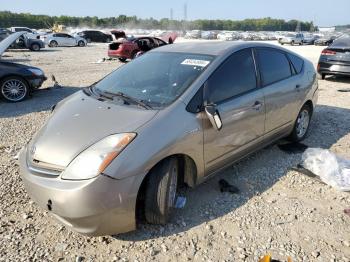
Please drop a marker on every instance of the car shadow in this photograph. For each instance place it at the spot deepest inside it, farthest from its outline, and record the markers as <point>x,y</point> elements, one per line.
<point>30,51</point>
<point>40,100</point>
<point>206,203</point>
<point>15,60</point>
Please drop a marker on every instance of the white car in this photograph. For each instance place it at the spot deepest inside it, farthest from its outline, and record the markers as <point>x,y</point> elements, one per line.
<point>62,39</point>
<point>31,34</point>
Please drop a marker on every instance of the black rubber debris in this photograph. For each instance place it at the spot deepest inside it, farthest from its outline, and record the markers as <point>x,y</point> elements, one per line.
<point>293,148</point>
<point>227,187</point>
<point>344,90</point>
<point>299,168</point>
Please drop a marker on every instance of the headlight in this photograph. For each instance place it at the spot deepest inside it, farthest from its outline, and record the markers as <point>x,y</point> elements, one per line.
<point>36,71</point>
<point>96,158</point>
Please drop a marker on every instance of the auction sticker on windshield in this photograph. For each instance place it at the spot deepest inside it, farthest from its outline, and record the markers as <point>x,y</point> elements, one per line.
<point>195,62</point>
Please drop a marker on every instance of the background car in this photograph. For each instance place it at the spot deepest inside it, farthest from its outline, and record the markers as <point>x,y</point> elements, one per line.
<point>32,34</point>
<point>326,41</point>
<point>335,59</point>
<point>292,39</point>
<point>118,34</point>
<point>129,48</point>
<point>309,39</point>
<point>4,33</point>
<point>17,80</point>
<point>23,42</point>
<point>62,39</point>
<point>95,36</point>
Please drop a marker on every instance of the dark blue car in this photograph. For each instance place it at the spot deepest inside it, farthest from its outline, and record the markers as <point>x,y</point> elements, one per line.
<point>17,80</point>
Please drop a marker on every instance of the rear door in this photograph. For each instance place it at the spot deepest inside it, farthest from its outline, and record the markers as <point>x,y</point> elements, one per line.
<point>280,88</point>
<point>60,39</point>
<point>70,40</point>
<point>233,88</point>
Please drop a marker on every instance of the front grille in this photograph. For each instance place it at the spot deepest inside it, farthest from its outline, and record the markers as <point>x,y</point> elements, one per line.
<point>40,168</point>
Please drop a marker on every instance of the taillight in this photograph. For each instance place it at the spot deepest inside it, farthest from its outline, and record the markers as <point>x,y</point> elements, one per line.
<point>328,52</point>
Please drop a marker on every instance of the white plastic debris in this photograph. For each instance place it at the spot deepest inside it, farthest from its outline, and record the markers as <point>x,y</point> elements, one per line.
<point>332,169</point>
<point>180,202</point>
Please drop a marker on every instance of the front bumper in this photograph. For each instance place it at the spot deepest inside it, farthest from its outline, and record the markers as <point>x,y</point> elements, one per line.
<point>94,207</point>
<point>36,82</point>
<point>117,54</point>
<point>333,68</point>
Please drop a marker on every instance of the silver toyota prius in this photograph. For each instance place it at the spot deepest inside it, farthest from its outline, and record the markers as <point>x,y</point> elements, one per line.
<point>120,149</point>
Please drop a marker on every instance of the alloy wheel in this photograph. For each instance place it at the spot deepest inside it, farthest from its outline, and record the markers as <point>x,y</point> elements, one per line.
<point>303,122</point>
<point>14,90</point>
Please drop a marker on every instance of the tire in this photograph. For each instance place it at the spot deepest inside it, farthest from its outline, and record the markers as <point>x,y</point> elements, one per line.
<point>292,43</point>
<point>35,47</point>
<point>122,59</point>
<point>14,89</point>
<point>134,54</point>
<point>161,190</point>
<point>321,76</point>
<point>53,44</point>
<point>81,43</point>
<point>302,124</point>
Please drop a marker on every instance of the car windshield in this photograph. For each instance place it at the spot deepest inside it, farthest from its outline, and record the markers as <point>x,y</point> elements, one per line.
<point>156,78</point>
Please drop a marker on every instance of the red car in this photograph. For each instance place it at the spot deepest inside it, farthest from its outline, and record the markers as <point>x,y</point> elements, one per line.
<point>130,48</point>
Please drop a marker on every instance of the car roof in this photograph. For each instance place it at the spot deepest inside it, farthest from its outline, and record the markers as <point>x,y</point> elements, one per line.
<point>212,48</point>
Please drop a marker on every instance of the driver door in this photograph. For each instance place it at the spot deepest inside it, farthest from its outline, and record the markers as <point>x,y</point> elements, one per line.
<point>240,105</point>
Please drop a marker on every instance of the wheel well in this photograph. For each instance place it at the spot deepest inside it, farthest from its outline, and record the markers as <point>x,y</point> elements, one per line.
<point>187,177</point>
<point>14,75</point>
<point>311,105</point>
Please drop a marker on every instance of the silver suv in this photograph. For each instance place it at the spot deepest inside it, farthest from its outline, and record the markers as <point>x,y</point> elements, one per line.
<point>292,39</point>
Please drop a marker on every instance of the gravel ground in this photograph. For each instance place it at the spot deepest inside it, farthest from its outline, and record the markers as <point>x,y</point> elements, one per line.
<point>278,211</point>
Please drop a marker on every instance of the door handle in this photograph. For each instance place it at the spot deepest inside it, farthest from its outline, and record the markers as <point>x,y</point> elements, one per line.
<point>257,105</point>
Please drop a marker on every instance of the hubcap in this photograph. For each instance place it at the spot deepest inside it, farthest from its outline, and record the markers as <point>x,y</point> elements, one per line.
<point>302,123</point>
<point>14,90</point>
<point>172,187</point>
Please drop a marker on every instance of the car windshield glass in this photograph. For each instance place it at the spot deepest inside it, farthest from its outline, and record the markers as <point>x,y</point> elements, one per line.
<point>155,78</point>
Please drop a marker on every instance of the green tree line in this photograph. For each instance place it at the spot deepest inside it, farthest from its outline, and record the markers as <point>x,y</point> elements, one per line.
<point>8,19</point>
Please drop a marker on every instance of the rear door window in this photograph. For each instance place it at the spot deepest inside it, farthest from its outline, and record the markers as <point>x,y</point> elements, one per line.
<point>234,77</point>
<point>297,62</point>
<point>274,65</point>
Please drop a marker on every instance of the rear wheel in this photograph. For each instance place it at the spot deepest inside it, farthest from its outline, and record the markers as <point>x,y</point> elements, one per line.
<point>35,47</point>
<point>302,123</point>
<point>161,192</point>
<point>81,43</point>
<point>14,89</point>
<point>53,44</point>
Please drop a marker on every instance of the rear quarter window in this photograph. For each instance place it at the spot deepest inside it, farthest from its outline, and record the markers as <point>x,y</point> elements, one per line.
<point>297,62</point>
<point>274,66</point>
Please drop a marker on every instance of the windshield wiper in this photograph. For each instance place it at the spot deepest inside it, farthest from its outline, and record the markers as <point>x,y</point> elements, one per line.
<point>126,97</point>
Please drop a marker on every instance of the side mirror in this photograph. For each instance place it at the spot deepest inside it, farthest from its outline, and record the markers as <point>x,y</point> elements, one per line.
<point>213,116</point>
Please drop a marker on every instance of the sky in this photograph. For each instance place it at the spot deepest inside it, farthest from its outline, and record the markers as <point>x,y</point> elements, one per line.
<point>322,12</point>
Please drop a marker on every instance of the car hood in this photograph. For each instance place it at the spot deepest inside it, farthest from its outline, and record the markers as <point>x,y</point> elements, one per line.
<point>4,44</point>
<point>80,121</point>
